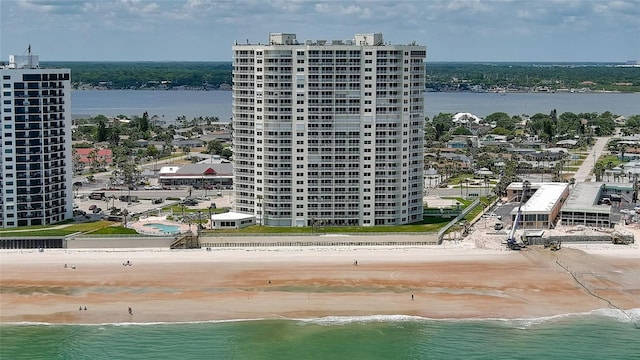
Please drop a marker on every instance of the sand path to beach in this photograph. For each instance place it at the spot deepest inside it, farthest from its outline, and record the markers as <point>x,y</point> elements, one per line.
<point>199,285</point>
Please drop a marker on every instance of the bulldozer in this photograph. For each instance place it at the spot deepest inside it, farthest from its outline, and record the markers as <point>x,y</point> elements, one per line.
<point>553,245</point>
<point>619,240</point>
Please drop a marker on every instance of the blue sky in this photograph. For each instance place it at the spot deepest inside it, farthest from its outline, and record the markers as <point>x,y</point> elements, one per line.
<point>205,30</point>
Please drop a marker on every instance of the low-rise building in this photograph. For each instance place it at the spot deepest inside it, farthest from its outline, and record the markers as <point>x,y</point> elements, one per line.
<point>583,207</point>
<point>543,204</point>
<point>208,176</point>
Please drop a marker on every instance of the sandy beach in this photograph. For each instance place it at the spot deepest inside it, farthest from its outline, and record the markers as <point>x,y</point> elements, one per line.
<point>447,281</point>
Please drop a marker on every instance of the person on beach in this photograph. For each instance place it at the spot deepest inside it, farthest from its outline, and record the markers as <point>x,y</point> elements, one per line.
<point>130,311</point>
<point>85,308</point>
<point>411,297</point>
<point>80,308</point>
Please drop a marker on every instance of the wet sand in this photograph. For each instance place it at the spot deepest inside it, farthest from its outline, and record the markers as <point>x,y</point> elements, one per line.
<point>199,285</point>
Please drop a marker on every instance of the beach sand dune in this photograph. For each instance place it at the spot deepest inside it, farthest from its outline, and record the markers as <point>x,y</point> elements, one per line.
<point>198,285</point>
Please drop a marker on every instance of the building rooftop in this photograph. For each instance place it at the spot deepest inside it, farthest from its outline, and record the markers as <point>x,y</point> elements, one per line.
<point>197,170</point>
<point>369,39</point>
<point>584,197</point>
<point>22,61</point>
<point>545,197</point>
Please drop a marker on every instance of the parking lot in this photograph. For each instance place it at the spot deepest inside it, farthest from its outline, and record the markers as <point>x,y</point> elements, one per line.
<point>143,203</point>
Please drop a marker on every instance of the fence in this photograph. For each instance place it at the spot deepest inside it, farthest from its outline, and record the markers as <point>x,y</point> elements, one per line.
<point>205,244</point>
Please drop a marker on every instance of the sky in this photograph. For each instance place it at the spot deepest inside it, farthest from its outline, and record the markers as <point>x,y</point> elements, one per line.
<point>205,30</point>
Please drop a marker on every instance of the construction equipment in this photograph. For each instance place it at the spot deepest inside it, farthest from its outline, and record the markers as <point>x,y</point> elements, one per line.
<point>618,239</point>
<point>553,245</point>
<point>512,243</point>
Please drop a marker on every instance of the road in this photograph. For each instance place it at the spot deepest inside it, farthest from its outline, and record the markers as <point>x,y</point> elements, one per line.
<point>584,171</point>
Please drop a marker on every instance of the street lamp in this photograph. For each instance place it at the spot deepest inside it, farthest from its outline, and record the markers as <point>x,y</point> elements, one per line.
<point>467,182</point>
<point>199,221</point>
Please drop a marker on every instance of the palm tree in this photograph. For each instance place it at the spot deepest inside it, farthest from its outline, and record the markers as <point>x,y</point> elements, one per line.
<point>622,150</point>
<point>486,185</point>
<point>125,213</point>
<point>609,167</point>
<point>598,171</point>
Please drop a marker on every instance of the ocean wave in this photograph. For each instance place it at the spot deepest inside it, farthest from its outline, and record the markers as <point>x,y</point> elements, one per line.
<point>340,320</point>
<point>35,323</point>
<point>627,316</point>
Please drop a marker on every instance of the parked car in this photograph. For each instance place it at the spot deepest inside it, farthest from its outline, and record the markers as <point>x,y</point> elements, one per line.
<point>93,207</point>
<point>97,210</point>
<point>190,202</point>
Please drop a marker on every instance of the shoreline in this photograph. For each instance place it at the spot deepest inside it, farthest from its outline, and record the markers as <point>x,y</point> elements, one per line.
<point>168,286</point>
<point>607,313</point>
<point>560,91</point>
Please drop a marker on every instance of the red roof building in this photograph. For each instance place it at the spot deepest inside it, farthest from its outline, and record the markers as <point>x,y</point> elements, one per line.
<point>104,155</point>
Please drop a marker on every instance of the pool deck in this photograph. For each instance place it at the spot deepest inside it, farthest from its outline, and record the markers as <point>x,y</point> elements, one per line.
<point>140,227</point>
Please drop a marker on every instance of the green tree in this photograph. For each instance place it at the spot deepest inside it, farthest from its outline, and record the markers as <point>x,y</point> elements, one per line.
<point>442,123</point>
<point>101,131</point>
<point>214,147</point>
<point>461,130</point>
<point>152,151</point>
<point>502,120</point>
<point>143,124</point>
<point>226,153</point>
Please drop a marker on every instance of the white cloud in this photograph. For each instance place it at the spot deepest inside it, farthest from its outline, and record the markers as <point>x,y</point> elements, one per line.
<point>336,9</point>
<point>446,27</point>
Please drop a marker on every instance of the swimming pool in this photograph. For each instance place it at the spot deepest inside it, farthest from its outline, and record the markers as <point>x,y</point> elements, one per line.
<point>164,228</point>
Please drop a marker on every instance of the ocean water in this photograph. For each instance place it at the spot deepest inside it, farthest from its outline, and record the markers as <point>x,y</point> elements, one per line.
<point>598,335</point>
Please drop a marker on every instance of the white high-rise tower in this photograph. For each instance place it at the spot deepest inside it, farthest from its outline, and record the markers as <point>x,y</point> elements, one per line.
<point>35,144</point>
<point>329,132</point>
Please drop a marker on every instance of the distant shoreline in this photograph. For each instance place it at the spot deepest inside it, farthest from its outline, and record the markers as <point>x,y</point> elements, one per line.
<point>426,91</point>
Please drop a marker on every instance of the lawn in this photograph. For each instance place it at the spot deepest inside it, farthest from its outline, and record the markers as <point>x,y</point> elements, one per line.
<point>424,226</point>
<point>66,228</point>
<point>428,225</point>
<point>111,230</point>
<point>605,160</point>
